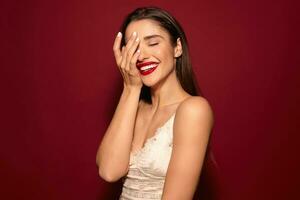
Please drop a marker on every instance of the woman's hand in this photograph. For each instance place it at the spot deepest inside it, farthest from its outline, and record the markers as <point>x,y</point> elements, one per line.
<point>126,59</point>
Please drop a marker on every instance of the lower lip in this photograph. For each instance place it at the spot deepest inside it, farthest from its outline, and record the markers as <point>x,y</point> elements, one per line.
<point>144,73</point>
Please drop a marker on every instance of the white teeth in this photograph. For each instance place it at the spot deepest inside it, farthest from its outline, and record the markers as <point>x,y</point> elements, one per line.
<point>148,67</point>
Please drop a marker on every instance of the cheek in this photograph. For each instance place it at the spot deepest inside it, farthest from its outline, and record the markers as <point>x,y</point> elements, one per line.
<point>163,53</point>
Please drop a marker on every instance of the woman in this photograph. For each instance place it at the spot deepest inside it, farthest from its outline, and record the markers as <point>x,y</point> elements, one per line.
<point>160,131</point>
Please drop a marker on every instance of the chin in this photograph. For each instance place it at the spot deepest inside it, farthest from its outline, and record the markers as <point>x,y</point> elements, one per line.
<point>152,81</point>
<point>149,83</point>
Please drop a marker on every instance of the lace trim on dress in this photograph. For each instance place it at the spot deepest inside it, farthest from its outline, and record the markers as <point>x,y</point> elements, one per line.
<point>153,138</point>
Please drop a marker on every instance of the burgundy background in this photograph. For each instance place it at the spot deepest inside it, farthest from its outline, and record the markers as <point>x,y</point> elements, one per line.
<point>60,86</point>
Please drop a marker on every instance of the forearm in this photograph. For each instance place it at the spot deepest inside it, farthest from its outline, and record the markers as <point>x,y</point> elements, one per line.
<point>114,150</point>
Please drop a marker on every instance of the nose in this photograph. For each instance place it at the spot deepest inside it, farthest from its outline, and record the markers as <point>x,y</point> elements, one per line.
<point>143,54</point>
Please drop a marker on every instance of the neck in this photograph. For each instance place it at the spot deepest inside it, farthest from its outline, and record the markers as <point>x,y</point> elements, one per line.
<point>160,93</point>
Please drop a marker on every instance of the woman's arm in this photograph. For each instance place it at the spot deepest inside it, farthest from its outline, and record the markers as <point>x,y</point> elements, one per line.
<point>192,126</point>
<point>114,151</point>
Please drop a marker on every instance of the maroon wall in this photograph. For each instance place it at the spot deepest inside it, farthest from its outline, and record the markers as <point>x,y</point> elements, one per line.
<point>60,85</point>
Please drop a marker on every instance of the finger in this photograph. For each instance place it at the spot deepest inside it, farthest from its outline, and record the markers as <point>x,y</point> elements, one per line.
<point>125,50</point>
<point>124,55</point>
<point>132,51</point>
<point>133,47</point>
<point>131,41</point>
<point>134,60</point>
<point>122,65</point>
<point>116,48</point>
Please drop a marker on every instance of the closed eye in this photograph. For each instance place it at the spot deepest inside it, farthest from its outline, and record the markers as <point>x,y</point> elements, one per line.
<point>153,44</point>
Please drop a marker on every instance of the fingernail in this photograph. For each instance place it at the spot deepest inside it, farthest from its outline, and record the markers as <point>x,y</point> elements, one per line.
<point>138,51</point>
<point>119,34</point>
<point>137,39</point>
<point>134,33</point>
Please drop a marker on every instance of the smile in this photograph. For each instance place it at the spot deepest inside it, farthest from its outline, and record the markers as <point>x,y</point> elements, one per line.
<point>147,68</point>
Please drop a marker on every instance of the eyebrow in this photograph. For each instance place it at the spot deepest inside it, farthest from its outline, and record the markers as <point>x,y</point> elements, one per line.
<point>150,37</point>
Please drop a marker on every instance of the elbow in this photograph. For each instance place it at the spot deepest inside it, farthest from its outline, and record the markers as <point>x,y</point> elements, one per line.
<point>110,172</point>
<point>109,176</point>
<point>104,174</point>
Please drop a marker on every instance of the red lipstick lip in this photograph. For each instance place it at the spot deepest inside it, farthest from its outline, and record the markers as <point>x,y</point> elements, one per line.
<point>144,73</point>
<point>139,65</point>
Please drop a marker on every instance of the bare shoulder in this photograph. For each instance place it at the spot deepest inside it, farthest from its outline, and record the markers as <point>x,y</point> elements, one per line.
<point>195,107</point>
<point>192,127</point>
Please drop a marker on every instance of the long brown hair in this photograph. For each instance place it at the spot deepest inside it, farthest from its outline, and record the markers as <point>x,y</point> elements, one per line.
<point>184,71</point>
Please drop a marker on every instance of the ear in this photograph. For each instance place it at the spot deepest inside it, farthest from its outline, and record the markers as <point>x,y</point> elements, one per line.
<point>178,48</point>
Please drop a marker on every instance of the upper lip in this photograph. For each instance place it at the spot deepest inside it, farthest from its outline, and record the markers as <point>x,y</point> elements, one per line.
<point>139,65</point>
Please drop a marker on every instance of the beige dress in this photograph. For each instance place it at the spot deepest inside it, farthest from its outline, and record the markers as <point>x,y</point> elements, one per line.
<point>148,166</point>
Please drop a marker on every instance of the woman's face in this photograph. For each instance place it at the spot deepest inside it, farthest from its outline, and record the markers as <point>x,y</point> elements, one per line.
<point>157,57</point>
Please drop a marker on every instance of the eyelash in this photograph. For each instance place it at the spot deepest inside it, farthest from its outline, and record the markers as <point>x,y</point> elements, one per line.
<point>153,44</point>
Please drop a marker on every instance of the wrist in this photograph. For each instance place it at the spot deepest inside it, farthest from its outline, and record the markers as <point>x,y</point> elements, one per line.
<point>132,89</point>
